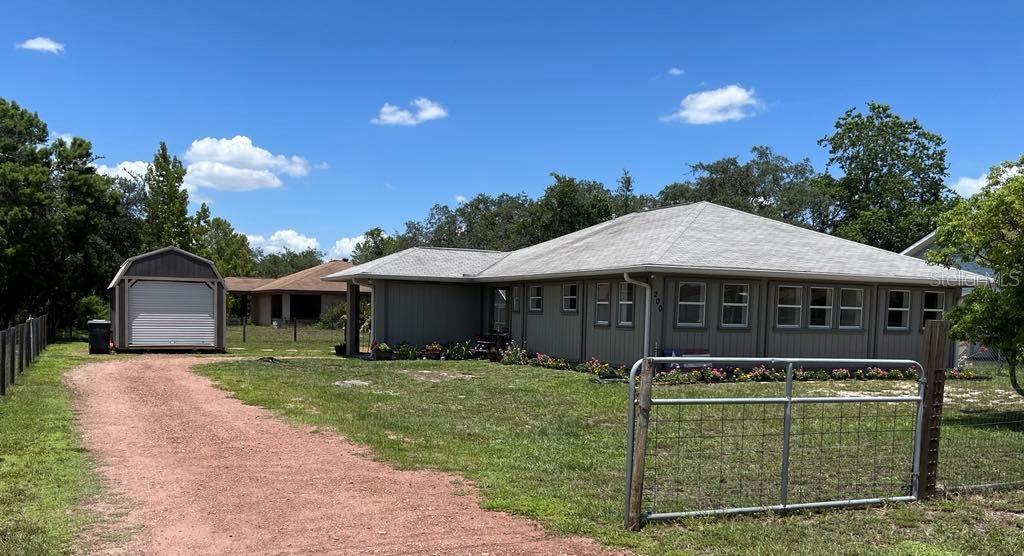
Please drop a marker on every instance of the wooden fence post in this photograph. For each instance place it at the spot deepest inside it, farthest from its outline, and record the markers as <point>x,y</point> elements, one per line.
<point>3,362</point>
<point>11,366</point>
<point>936,360</point>
<point>643,402</point>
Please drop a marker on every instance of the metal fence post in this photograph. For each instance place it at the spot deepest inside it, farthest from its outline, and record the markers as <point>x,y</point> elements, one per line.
<point>787,426</point>
<point>21,348</point>
<point>295,330</point>
<point>634,520</point>
<point>936,359</point>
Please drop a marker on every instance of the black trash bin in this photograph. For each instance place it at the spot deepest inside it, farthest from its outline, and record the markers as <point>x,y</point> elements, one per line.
<point>99,336</point>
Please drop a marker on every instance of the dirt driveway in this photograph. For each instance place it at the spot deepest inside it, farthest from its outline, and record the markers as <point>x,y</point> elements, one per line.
<point>202,473</point>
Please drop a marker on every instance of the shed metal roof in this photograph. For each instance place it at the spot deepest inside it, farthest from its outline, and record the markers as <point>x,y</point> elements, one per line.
<point>699,238</point>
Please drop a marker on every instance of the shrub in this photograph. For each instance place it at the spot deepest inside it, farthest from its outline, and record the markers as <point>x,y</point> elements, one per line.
<point>406,351</point>
<point>91,307</point>
<point>382,347</point>
<point>457,351</point>
<point>514,354</point>
<point>333,318</point>
<point>603,370</point>
<point>548,362</point>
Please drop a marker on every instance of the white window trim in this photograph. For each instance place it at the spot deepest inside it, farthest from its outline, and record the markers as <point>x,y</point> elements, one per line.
<point>799,307</point>
<point>745,305</point>
<point>598,303</point>
<point>889,308</point>
<point>941,310</point>
<point>830,297</point>
<point>566,297</point>
<point>702,304</point>
<point>532,297</point>
<point>860,309</point>
<point>625,287</point>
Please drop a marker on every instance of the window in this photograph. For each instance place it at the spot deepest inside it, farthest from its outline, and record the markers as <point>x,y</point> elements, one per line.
<point>898,315</point>
<point>933,306</point>
<point>517,299</point>
<point>603,299</point>
<point>819,310</point>
<point>690,307</point>
<point>625,304</point>
<point>536,299</point>
<point>790,304</point>
<point>500,314</point>
<point>570,297</point>
<point>851,308</point>
<point>735,304</point>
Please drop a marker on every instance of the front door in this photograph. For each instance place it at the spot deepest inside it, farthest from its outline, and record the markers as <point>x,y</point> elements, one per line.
<point>499,312</point>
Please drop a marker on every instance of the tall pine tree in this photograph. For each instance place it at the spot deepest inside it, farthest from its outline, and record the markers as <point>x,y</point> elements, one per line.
<point>167,221</point>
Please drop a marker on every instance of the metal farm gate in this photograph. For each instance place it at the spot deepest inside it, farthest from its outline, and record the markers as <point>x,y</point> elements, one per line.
<point>757,443</point>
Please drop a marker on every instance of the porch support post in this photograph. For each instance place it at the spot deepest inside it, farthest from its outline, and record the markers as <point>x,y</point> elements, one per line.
<point>352,319</point>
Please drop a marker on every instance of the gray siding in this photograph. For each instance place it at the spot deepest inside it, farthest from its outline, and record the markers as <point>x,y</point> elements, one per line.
<point>900,344</point>
<point>424,312</point>
<point>553,331</point>
<point>712,337</point>
<point>806,341</point>
<point>171,264</point>
<point>613,342</point>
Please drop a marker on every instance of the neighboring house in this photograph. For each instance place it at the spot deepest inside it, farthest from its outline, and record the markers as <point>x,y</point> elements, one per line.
<point>167,299</point>
<point>300,296</point>
<point>698,278</point>
<point>920,250</point>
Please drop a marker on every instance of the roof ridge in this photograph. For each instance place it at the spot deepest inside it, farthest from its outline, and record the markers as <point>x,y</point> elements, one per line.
<point>455,249</point>
<point>682,229</point>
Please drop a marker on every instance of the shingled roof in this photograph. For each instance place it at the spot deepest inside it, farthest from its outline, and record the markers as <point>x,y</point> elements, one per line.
<point>308,280</point>
<point>698,238</point>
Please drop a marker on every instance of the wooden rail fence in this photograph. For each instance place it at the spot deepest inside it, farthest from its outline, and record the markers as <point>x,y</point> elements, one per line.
<point>20,346</point>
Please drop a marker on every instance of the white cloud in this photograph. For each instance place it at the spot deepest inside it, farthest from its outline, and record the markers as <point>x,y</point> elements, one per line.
<point>42,44</point>
<point>236,164</point>
<point>425,110</point>
<point>342,248</point>
<point>321,166</point>
<point>967,187</point>
<point>729,103</point>
<point>126,169</point>
<point>460,199</point>
<point>675,72</point>
<point>281,240</point>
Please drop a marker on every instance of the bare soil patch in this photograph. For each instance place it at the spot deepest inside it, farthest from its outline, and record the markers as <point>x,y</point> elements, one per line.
<point>203,473</point>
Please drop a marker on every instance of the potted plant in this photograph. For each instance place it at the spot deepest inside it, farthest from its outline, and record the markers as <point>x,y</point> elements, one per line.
<point>382,351</point>
<point>433,350</point>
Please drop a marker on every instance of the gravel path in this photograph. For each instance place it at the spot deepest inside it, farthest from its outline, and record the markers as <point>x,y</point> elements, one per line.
<point>202,473</point>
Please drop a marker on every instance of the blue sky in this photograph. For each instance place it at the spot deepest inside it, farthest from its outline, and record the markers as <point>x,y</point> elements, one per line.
<point>299,118</point>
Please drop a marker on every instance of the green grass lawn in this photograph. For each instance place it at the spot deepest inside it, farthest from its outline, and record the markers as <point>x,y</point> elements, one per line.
<point>45,473</point>
<point>308,340</point>
<point>550,445</point>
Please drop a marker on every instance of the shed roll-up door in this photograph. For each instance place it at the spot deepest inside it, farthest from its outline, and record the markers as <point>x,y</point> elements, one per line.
<point>170,314</point>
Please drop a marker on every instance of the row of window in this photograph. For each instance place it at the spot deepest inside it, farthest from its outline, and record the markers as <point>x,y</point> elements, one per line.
<point>789,309</point>
<point>691,305</point>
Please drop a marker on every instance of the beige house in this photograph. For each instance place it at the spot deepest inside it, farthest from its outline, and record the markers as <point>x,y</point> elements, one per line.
<point>300,296</point>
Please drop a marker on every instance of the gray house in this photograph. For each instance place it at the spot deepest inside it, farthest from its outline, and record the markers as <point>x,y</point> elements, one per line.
<point>689,279</point>
<point>167,299</point>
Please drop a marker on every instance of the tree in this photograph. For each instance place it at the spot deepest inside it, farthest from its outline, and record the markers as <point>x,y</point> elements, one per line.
<point>989,228</point>
<point>625,196</point>
<point>568,205</point>
<point>892,188</point>
<point>376,243</point>
<point>768,184</point>
<point>218,241</point>
<point>276,265</point>
<point>167,220</point>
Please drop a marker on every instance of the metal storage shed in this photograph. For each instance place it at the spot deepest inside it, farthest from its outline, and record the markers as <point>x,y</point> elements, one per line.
<point>167,299</point>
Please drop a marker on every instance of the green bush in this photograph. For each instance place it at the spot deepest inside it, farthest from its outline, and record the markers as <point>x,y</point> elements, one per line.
<point>333,318</point>
<point>514,354</point>
<point>91,307</point>
<point>406,351</point>
<point>457,351</point>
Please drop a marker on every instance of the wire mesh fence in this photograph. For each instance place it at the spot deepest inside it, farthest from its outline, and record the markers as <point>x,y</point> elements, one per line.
<point>720,456</point>
<point>20,345</point>
<point>301,337</point>
<point>982,437</point>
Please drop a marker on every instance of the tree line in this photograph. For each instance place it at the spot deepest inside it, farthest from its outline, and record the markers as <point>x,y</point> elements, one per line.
<point>65,228</point>
<point>883,185</point>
